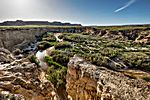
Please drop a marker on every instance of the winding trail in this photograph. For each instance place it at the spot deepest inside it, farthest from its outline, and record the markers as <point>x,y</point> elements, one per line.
<point>41,54</point>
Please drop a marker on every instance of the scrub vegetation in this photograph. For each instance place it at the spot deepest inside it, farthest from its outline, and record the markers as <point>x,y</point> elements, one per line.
<point>98,50</point>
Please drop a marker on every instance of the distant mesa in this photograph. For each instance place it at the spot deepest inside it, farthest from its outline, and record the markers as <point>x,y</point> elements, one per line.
<point>22,23</point>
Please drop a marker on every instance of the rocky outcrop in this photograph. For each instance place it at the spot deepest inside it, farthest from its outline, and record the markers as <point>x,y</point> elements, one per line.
<point>89,82</point>
<point>22,80</point>
<point>137,35</point>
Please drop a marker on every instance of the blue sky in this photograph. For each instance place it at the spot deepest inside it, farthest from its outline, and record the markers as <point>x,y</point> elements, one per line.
<point>87,12</point>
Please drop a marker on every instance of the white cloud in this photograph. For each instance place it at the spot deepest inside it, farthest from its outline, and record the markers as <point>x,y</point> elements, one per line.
<point>125,6</point>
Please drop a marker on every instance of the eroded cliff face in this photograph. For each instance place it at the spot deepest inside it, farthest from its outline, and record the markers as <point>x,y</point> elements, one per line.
<point>89,82</point>
<point>136,35</point>
<point>11,38</point>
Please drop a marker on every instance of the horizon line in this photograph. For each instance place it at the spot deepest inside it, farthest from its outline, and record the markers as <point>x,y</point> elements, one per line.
<point>73,22</point>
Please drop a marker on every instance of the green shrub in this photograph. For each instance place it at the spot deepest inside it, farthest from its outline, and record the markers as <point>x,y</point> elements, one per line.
<point>115,45</point>
<point>63,45</point>
<point>58,78</point>
<point>75,38</point>
<point>62,59</point>
<point>136,60</point>
<point>50,62</point>
<point>53,77</point>
<point>146,79</point>
<point>44,45</point>
<point>33,59</point>
<point>56,73</point>
<point>146,66</point>
<point>50,39</point>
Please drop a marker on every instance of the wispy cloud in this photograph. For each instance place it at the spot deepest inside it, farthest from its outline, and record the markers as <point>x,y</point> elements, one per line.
<point>125,6</point>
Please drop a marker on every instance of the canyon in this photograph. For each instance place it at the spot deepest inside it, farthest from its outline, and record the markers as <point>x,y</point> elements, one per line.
<point>11,38</point>
<point>90,73</point>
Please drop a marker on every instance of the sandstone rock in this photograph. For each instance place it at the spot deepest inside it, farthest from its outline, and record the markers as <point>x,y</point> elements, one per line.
<point>5,55</point>
<point>144,37</point>
<point>23,82</point>
<point>86,81</point>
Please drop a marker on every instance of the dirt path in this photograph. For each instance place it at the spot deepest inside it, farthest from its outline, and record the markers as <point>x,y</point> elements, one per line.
<point>41,54</point>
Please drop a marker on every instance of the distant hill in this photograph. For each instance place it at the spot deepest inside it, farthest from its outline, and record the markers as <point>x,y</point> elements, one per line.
<point>22,23</point>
